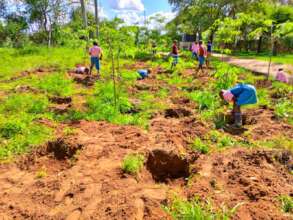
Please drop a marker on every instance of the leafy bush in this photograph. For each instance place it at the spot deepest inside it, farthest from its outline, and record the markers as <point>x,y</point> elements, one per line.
<point>284,109</point>
<point>263,97</point>
<point>102,105</point>
<point>281,90</point>
<point>200,146</point>
<point>133,163</point>
<point>287,203</point>
<point>56,84</point>
<point>205,99</point>
<point>26,103</point>
<point>226,76</point>
<point>19,133</point>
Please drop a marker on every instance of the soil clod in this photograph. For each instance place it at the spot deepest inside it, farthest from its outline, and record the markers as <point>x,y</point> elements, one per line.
<point>165,166</point>
<point>63,150</point>
<point>177,113</point>
<point>60,100</point>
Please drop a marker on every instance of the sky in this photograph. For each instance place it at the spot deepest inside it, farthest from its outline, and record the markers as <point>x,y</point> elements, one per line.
<point>132,11</point>
<point>150,6</point>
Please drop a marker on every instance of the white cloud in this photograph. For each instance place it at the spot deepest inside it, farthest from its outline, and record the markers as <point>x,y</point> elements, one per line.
<point>102,12</point>
<point>129,5</point>
<point>154,21</point>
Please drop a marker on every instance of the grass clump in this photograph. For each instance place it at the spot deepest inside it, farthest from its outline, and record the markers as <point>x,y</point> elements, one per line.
<point>133,163</point>
<point>41,174</point>
<point>195,209</point>
<point>287,204</point>
<point>200,146</point>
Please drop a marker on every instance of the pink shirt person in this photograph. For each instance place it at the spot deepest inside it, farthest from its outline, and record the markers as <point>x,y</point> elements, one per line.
<point>194,48</point>
<point>95,51</point>
<point>281,76</point>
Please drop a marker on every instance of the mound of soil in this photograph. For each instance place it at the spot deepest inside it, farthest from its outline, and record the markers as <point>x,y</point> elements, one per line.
<point>253,178</point>
<point>262,124</point>
<point>136,66</point>
<point>25,88</point>
<point>60,108</point>
<point>60,100</point>
<point>165,166</point>
<point>62,149</point>
<point>263,83</point>
<point>177,113</point>
<point>86,80</point>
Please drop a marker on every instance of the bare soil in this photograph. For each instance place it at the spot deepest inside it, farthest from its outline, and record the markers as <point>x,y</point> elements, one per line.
<point>84,179</point>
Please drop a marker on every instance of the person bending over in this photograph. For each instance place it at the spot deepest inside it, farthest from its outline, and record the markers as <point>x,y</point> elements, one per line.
<point>241,94</point>
<point>281,76</point>
<point>82,70</point>
<point>144,73</point>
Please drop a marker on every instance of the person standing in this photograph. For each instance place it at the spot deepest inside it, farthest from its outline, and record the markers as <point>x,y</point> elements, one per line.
<point>209,53</point>
<point>201,56</point>
<point>194,50</point>
<point>96,54</point>
<point>175,54</point>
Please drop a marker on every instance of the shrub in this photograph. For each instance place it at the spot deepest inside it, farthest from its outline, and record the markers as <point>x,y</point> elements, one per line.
<point>19,133</point>
<point>284,109</point>
<point>200,146</point>
<point>263,97</point>
<point>226,76</point>
<point>56,84</point>
<point>25,103</point>
<point>205,99</point>
<point>133,163</point>
<point>102,105</point>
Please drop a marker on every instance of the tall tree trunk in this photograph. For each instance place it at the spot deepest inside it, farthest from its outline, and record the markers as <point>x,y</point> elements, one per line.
<point>212,36</point>
<point>97,17</point>
<point>259,44</point>
<point>275,48</point>
<point>83,11</point>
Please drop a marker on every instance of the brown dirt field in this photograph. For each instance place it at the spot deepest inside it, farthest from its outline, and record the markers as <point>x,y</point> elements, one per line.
<point>254,178</point>
<point>84,179</point>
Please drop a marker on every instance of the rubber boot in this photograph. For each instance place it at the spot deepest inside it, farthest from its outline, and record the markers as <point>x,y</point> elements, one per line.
<point>238,120</point>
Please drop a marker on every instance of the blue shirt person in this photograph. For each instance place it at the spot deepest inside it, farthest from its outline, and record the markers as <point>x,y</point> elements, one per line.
<point>241,94</point>
<point>144,73</point>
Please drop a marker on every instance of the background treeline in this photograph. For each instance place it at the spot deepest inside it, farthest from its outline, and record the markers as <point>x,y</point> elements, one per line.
<point>244,25</point>
<point>71,23</point>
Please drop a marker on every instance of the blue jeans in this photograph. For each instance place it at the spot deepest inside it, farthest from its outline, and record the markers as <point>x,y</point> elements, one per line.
<point>95,61</point>
<point>194,55</point>
<point>201,60</point>
<point>175,59</point>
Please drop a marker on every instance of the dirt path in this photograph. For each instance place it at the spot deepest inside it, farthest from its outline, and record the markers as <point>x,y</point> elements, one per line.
<point>258,66</point>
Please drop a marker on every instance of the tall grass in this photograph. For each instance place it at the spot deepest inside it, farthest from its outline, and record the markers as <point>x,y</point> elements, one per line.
<point>14,61</point>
